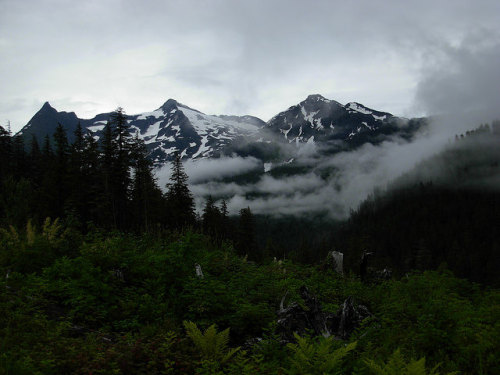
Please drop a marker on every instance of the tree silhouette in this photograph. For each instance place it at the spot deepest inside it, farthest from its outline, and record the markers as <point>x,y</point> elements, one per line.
<point>211,219</point>
<point>146,196</point>
<point>246,244</point>
<point>180,202</point>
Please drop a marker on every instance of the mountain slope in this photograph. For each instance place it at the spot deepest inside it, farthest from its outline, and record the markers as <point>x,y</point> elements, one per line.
<point>45,121</point>
<point>317,119</point>
<point>175,127</point>
<point>171,128</point>
<point>444,211</point>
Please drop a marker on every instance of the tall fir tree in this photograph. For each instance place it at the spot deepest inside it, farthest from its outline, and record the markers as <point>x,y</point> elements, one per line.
<point>146,196</point>
<point>211,219</point>
<point>45,198</point>
<point>5,153</point>
<point>246,244</point>
<point>93,174</point>
<point>180,202</point>
<point>61,158</point>
<point>225,224</point>
<point>107,161</point>
<point>77,180</point>
<point>35,163</point>
<point>19,160</point>
<point>121,168</point>
<point>5,163</point>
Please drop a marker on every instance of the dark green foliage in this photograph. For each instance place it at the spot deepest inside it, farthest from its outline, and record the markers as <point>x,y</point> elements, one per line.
<point>179,200</point>
<point>115,303</point>
<point>16,201</point>
<point>245,242</point>
<point>5,153</point>
<point>424,226</point>
<point>214,220</point>
<point>147,204</point>
<point>116,160</point>
<point>397,365</point>
<point>110,185</point>
<point>442,212</point>
<point>321,356</point>
<point>60,181</point>
<point>79,296</point>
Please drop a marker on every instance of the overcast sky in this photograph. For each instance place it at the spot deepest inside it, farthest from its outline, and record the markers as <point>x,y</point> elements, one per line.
<point>239,57</point>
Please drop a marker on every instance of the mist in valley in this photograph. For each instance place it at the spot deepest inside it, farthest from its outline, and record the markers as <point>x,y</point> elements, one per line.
<point>459,89</point>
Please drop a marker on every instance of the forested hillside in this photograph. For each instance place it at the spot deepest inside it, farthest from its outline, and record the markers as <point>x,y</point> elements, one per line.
<point>444,213</point>
<point>103,273</point>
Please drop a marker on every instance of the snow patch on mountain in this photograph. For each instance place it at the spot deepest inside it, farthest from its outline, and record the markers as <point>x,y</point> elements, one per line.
<point>156,114</point>
<point>358,108</point>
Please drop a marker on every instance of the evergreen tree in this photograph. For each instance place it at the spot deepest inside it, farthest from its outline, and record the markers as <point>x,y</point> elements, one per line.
<point>35,163</point>
<point>246,244</point>
<point>211,219</point>
<point>146,196</point>
<point>423,256</point>
<point>5,163</point>
<point>93,175</point>
<point>121,167</point>
<point>225,230</point>
<point>47,148</point>
<point>61,158</point>
<point>19,160</point>
<point>180,202</point>
<point>107,163</point>
<point>46,206</point>
<point>5,153</point>
<point>118,120</point>
<point>77,180</point>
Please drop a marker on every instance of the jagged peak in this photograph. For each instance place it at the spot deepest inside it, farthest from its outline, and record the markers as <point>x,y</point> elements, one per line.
<point>316,98</point>
<point>169,105</point>
<point>47,107</point>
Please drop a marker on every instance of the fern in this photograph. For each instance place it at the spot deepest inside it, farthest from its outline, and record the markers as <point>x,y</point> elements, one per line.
<point>317,357</point>
<point>30,233</point>
<point>211,344</point>
<point>398,366</point>
<point>52,230</point>
<point>10,236</point>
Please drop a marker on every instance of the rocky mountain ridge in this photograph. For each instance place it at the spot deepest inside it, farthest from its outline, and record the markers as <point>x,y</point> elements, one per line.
<point>175,127</point>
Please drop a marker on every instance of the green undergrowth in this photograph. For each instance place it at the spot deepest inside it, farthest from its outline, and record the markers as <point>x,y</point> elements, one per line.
<point>112,303</point>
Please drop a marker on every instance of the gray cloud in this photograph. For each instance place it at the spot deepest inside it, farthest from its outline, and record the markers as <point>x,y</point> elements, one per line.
<point>259,57</point>
<point>211,169</point>
<point>223,56</point>
<point>463,87</point>
<point>460,85</point>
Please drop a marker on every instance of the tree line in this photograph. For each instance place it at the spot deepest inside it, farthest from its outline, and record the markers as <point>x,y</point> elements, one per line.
<point>106,183</point>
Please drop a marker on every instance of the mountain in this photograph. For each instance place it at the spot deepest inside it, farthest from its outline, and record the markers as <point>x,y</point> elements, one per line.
<point>320,120</point>
<point>45,121</point>
<point>173,127</point>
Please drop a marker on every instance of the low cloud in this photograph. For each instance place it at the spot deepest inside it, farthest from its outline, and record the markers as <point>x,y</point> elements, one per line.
<point>460,88</point>
<point>211,169</point>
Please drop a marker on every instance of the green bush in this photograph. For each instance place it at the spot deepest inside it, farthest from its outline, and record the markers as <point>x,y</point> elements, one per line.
<point>317,356</point>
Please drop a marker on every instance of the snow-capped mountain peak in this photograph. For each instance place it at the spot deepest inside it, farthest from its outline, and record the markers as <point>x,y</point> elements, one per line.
<point>176,128</point>
<point>317,118</point>
<point>171,128</point>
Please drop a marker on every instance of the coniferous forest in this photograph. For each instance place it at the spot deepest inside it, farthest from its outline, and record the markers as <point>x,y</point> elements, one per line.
<point>102,272</point>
